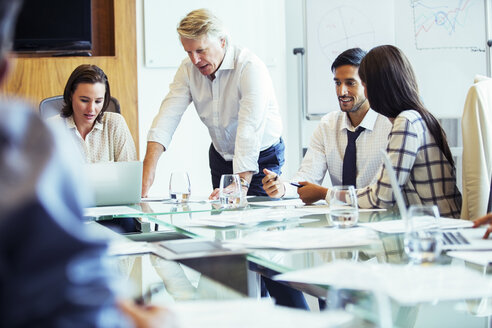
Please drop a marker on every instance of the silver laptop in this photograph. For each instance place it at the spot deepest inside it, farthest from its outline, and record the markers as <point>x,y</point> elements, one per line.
<point>115,183</point>
<point>460,239</point>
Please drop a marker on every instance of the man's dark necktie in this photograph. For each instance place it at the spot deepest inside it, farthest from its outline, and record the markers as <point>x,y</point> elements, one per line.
<point>350,158</point>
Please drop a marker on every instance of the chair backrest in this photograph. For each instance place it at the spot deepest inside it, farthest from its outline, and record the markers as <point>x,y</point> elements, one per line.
<point>52,106</point>
<point>476,127</point>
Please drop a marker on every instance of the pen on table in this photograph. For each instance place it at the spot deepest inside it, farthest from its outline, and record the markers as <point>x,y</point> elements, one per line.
<point>296,184</point>
<point>143,299</point>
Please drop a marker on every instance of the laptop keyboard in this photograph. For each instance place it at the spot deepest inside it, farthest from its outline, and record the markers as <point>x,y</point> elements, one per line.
<point>454,238</point>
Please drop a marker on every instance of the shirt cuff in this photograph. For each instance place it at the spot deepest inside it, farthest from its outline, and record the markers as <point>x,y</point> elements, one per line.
<point>245,164</point>
<point>155,136</point>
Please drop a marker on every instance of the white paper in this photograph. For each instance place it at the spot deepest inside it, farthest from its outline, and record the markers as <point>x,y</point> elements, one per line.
<point>478,257</point>
<point>242,313</point>
<point>248,217</point>
<point>309,238</point>
<point>128,248</point>
<point>109,210</point>
<point>277,203</point>
<point>398,226</point>
<point>154,199</point>
<point>407,284</point>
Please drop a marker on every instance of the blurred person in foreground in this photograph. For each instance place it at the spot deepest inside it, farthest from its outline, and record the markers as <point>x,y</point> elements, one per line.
<point>53,269</point>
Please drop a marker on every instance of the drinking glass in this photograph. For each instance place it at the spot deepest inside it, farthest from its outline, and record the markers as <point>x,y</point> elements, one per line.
<point>344,212</point>
<point>230,192</point>
<point>423,238</point>
<point>179,187</point>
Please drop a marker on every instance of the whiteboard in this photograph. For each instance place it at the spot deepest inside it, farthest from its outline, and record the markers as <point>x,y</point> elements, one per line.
<point>333,27</point>
<point>445,42</point>
<point>443,39</point>
<point>248,28</point>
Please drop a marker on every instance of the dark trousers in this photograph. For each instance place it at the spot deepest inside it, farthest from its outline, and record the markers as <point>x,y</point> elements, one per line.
<point>283,294</point>
<point>271,158</point>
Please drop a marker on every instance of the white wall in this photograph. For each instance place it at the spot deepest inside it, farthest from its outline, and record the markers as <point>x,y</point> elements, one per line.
<point>189,148</point>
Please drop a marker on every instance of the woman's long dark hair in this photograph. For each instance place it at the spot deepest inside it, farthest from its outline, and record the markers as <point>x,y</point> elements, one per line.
<point>391,88</point>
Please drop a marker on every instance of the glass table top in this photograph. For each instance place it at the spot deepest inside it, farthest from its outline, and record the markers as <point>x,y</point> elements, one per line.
<point>143,272</point>
<point>388,249</point>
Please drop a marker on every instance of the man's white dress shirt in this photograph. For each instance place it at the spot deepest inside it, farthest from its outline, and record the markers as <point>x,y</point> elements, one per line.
<point>327,149</point>
<point>238,107</point>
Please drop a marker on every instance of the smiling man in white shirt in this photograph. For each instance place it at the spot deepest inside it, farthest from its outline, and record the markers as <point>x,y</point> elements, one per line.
<point>233,95</point>
<point>328,147</point>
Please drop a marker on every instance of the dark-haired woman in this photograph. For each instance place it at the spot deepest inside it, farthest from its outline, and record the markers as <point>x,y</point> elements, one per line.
<point>417,144</point>
<point>103,136</point>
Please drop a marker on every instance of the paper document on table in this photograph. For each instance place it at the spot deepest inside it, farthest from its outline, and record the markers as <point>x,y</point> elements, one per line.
<point>309,238</point>
<point>155,199</point>
<point>407,284</point>
<point>252,313</point>
<point>248,217</point>
<point>325,209</point>
<point>109,210</point>
<point>478,257</point>
<point>128,247</point>
<point>277,203</point>
<point>398,226</point>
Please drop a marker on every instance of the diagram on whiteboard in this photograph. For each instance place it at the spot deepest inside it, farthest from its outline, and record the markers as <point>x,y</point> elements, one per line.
<point>448,24</point>
<point>333,27</point>
<point>342,28</point>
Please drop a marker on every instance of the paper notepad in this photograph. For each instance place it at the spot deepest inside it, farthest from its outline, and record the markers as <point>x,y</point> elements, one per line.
<point>309,238</point>
<point>407,284</point>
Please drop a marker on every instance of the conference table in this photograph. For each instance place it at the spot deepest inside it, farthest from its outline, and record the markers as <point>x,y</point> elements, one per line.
<point>240,270</point>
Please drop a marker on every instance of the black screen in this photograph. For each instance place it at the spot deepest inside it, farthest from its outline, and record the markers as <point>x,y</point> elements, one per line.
<point>50,25</point>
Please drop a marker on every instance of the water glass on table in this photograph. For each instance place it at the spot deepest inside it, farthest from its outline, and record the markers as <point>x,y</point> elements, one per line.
<point>423,237</point>
<point>230,191</point>
<point>344,211</point>
<point>179,187</point>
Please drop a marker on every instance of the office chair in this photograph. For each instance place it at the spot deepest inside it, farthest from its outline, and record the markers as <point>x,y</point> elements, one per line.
<point>52,106</point>
<point>476,126</point>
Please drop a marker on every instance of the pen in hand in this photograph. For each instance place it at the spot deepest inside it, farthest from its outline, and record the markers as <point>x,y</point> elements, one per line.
<point>296,185</point>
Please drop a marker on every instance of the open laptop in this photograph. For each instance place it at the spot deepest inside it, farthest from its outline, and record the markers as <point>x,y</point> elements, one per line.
<point>115,183</point>
<point>460,239</point>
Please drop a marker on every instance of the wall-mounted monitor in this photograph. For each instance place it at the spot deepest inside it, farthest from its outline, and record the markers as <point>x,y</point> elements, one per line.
<point>54,25</point>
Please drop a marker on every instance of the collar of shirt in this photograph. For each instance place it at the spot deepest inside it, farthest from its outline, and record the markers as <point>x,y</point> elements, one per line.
<point>71,124</point>
<point>368,122</point>
<point>228,61</point>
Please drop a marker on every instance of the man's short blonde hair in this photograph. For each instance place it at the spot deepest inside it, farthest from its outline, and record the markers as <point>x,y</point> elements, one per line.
<point>201,22</point>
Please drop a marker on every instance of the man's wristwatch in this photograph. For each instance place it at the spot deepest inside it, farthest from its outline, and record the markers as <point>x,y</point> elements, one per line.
<point>244,183</point>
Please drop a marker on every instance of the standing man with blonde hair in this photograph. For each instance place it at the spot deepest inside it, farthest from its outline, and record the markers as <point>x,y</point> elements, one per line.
<point>234,97</point>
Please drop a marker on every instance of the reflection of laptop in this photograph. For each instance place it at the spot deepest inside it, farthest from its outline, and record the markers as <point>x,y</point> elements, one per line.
<point>115,183</point>
<point>461,239</point>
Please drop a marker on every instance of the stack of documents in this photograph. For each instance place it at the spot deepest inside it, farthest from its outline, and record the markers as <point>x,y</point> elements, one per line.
<point>252,313</point>
<point>309,238</point>
<point>483,258</point>
<point>407,284</point>
<point>398,226</point>
<point>248,217</point>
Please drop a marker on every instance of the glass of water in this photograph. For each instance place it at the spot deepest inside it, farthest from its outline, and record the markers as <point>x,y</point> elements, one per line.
<point>230,191</point>
<point>180,187</point>
<point>344,212</point>
<point>423,238</point>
